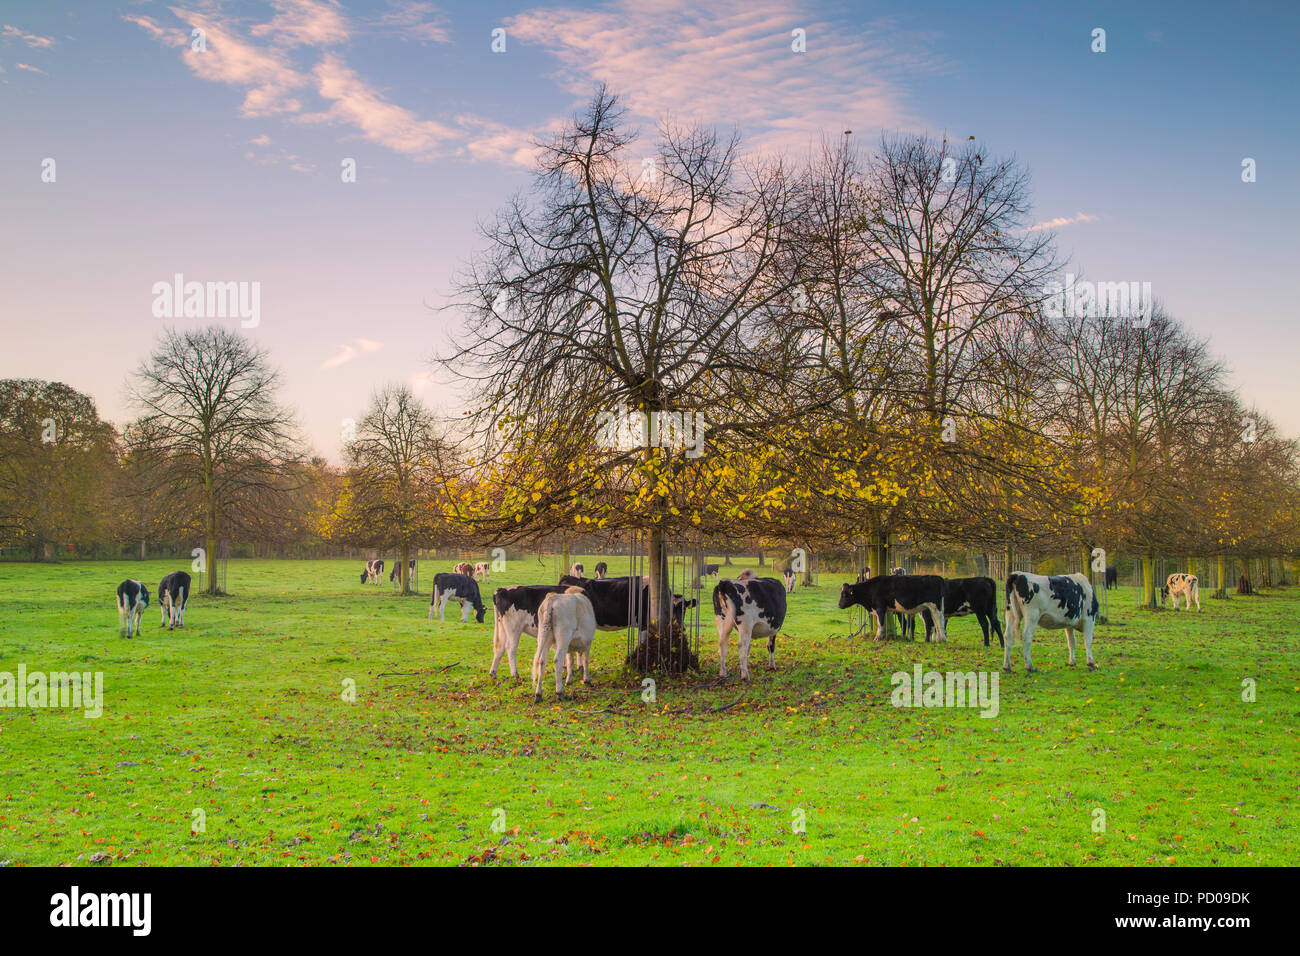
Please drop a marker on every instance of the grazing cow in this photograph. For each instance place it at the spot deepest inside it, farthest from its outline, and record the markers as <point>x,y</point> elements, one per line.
<point>1112,577</point>
<point>576,570</point>
<point>568,621</point>
<point>464,568</point>
<point>962,596</point>
<point>1181,584</point>
<point>602,570</point>
<point>752,606</point>
<point>373,572</point>
<point>788,577</point>
<point>515,614</point>
<point>132,599</point>
<point>902,594</point>
<point>482,571</point>
<point>1066,601</point>
<point>456,587</point>
<point>397,568</point>
<point>173,593</point>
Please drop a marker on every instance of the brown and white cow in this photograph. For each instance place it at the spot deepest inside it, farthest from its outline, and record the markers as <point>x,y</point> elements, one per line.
<point>1180,584</point>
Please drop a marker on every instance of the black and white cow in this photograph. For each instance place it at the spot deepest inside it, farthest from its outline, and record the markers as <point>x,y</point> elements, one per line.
<point>897,571</point>
<point>576,570</point>
<point>515,614</point>
<point>173,593</point>
<point>602,570</point>
<point>482,571</point>
<point>394,574</point>
<point>788,577</point>
<point>617,606</point>
<point>448,586</point>
<point>374,570</point>
<point>901,594</point>
<point>753,607</point>
<point>132,599</point>
<point>962,596</point>
<point>1112,577</point>
<point>1058,601</point>
<point>1184,585</point>
<point>712,569</point>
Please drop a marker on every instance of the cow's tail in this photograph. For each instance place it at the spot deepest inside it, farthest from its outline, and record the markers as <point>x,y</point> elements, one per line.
<point>498,633</point>
<point>725,608</point>
<point>545,625</point>
<point>433,602</point>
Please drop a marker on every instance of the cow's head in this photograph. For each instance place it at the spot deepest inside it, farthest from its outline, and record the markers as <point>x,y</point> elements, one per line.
<point>479,611</point>
<point>144,595</point>
<point>365,574</point>
<point>1164,594</point>
<point>680,606</point>
<point>849,596</point>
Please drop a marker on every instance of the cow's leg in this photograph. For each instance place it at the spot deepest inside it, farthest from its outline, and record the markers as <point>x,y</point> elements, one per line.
<point>743,639</point>
<point>1196,593</point>
<point>1088,625</point>
<point>561,663</point>
<point>465,608</point>
<point>997,627</point>
<point>1013,622</point>
<point>1069,643</point>
<point>512,651</point>
<point>724,632</point>
<point>1027,624</point>
<point>771,651</point>
<point>984,625</point>
<point>539,668</point>
<point>882,615</point>
<point>433,603</point>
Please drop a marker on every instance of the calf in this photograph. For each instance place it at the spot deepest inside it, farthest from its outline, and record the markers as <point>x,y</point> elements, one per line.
<point>902,594</point>
<point>1181,584</point>
<point>602,570</point>
<point>576,570</point>
<point>456,587</point>
<point>788,577</point>
<point>567,620</point>
<point>173,593</point>
<point>482,571</point>
<point>515,613</point>
<point>397,569</point>
<point>962,596</point>
<point>1112,577</point>
<point>132,599</point>
<point>752,606</point>
<point>464,568</point>
<point>373,572</point>
<point>1066,601</point>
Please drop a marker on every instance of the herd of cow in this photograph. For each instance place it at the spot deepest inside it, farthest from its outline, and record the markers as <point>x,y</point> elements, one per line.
<point>564,617</point>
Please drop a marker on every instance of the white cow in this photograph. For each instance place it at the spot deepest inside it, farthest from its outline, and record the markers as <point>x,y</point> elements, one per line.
<point>568,621</point>
<point>1180,584</point>
<point>1054,602</point>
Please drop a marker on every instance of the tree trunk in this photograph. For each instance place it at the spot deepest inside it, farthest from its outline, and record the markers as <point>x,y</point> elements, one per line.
<point>1149,580</point>
<point>661,602</point>
<point>404,568</point>
<point>1221,572</point>
<point>807,566</point>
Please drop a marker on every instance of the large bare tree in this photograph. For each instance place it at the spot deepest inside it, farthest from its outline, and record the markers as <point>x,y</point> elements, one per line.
<point>208,400</point>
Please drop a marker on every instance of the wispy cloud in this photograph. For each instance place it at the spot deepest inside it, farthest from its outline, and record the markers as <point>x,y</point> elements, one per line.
<point>34,69</point>
<point>34,41</point>
<point>1061,221</point>
<point>347,353</point>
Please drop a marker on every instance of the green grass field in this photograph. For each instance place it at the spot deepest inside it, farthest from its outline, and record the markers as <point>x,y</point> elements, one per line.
<point>241,715</point>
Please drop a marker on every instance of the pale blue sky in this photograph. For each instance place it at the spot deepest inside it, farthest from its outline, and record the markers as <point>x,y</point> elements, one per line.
<point>224,165</point>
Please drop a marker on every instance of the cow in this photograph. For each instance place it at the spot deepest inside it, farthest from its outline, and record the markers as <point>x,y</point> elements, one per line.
<point>788,577</point>
<point>1112,577</point>
<point>397,569</point>
<point>602,570</point>
<point>516,610</point>
<point>132,599</point>
<point>567,620</point>
<point>902,594</point>
<point>752,606</point>
<point>173,594</point>
<point>464,568</point>
<point>612,600</point>
<point>712,569</point>
<point>962,596</point>
<point>1181,584</point>
<point>456,587</point>
<point>373,572</point>
<point>897,571</point>
<point>482,571</point>
<point>1066,601</point>
<point>576,569</point>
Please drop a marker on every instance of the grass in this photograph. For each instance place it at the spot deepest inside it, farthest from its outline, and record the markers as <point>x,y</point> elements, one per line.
<point>240,716</point>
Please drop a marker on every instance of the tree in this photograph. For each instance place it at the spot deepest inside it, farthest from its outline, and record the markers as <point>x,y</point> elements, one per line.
<point>400,471</point>
<point>208,398</point>
<point>55,458</point>
<point>626,285</point>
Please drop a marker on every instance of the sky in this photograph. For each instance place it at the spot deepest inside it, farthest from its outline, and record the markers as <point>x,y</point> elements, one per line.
<point>226,163</point>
